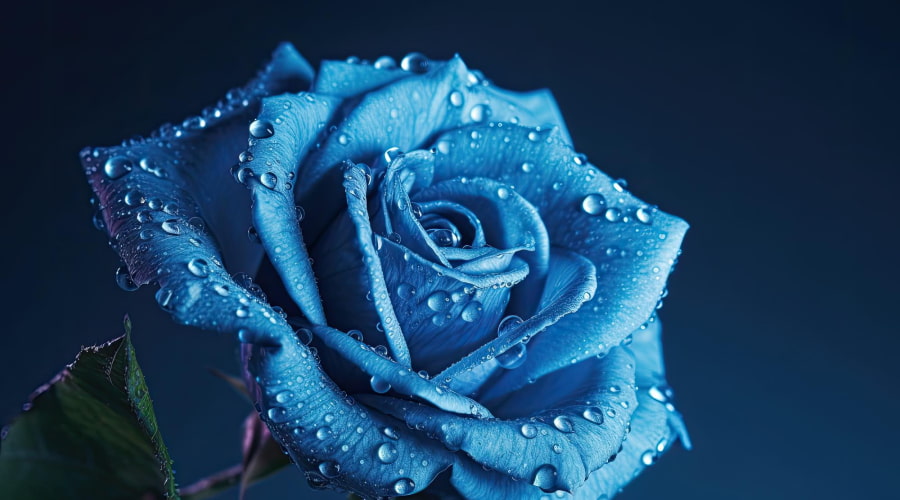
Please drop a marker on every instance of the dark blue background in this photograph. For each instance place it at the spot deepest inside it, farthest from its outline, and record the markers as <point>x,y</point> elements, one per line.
<point>771,128</point>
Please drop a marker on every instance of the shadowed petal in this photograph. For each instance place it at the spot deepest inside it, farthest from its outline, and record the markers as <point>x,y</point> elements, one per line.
<point>287,127</point>
<point>556,432</point>
<point>571,281</point>
<point>632,245</point>
<point>160,195</point>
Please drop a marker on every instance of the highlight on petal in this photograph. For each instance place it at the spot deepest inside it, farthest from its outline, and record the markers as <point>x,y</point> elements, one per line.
<point>288,126</point>
<point>633,245</point>
<point>555,433</point>
<point>351,77</point>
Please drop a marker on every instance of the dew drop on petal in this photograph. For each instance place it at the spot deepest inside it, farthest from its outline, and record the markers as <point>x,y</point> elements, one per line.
<point>545,477</point>
<point>261,129</point>
<point>198,267</point>
<point>529,431</point>
<point>387,453</point>
<point>117,166</point>
<point>277,414</point>
<point>471,312</point>
<point>613,214</point>
<point>593,204</point>
<point>439,301</point>
<point>329,469</point>
<point>593,415</point>
<point>379,385</point>
<point>456,98</point>
<point>404,486</point>
<point>414,62</point>
<point>643,215</point>
<point>123,279</point>
<point>564,424</point>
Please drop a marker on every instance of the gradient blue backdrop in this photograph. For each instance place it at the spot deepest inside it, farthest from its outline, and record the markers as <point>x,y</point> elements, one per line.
<point>772,129</point>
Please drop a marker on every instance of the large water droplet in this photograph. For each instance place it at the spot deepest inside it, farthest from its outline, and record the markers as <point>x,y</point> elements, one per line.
<point>513,357</point>
<point>284,397</point>
<point>387,453</point>
<point>456,98</point>
<point>406,291</point>
<point>507,324</point>
<point>323,433</point>
<point>269,180</point>
<point>471,312</point>
<point>439,301</point>
<point>330,469</point>
<point>545,478</point>
<point>245,157</point>
<point>123,279</point>
<point>648,458</point>
<point>117,166</point>
<point>261,129</point>
<point>134,197</point>
<point>503,193</point>
<point>613,214</point>
<point>278,414</point>
<point>594,204</point>
<point>414,62</point>
<point>385,62</point>
<point>443,237</point>
<point>563,424</point>
<point>164,299</point>
<point>593,415</point>
<point>643,215</point>
<point>404,486</point>
<point>171,226</point>
<point>198,267</point>
<point>530,431</point>
<point>379,385</point>
<point>480,113</point>
<point>391,154</point>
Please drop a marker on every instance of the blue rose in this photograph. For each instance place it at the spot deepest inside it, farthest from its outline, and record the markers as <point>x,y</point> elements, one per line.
<point>463,300</point>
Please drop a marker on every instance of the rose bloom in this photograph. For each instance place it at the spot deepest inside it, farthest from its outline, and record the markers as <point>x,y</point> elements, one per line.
<point>453,298</point>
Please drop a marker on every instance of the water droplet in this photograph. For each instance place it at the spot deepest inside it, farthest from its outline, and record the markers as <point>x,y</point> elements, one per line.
<point>557,186</point>
<point>613,214</point>
<point>648,458</point>
<point>269,180</point>
<point>530,431</point>
<point>170,208</point>
<point>261,129</point>
<point>245,157</point>
<point>527,167</point>
<point>471,312</point>
<point>593,415</point>
<point>391,154</point>
<point>593,204</point>
<point>545,477</point>
<point>385,62</point>
<point>513,357</point>
<point>456,98</point>
<point>164,299</point>
<point>329,469</point>
<point>615,389</point>
<point>144,216</point>
<point>564,424</point>
<point>123,279</point>
<point>134,197</point>
<point>439,301</point>
<point>387,453</point>
<point>502,193</point>
<point>480,113</point>
<point>323,433</point>
<point>443,237</point>
<point>579,159</point>
<point>507,324</point>
<point>146,234</point>
<point>557,448</point>
<point>620,185</point>
<point>661,445</point>
<point>379,385</point>
<point>414,62</point>
<point>390,432</point>
<point>242,312</point>
<point>304,335</point>
<point>284,397</point>
<point>117,166</point>
<point>171,226</point>
<point>277,414</point>
<point>198,267</point>
<point>404,486</point>
<point>406,291</point>
<point>643,215</point>
<point>343,139</point>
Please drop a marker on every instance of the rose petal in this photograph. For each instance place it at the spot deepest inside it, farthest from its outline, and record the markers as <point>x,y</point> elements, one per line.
<point>334,440</point>
<point>344,79</point>
<point>287,127</point>
<point>158,195</point>
<point>404,114</point>
<point>571,281</point>
<point>557,431</point>
<point>633,245</point>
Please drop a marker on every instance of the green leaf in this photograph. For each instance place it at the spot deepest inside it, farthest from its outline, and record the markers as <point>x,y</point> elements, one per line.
<point>89,433</point>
